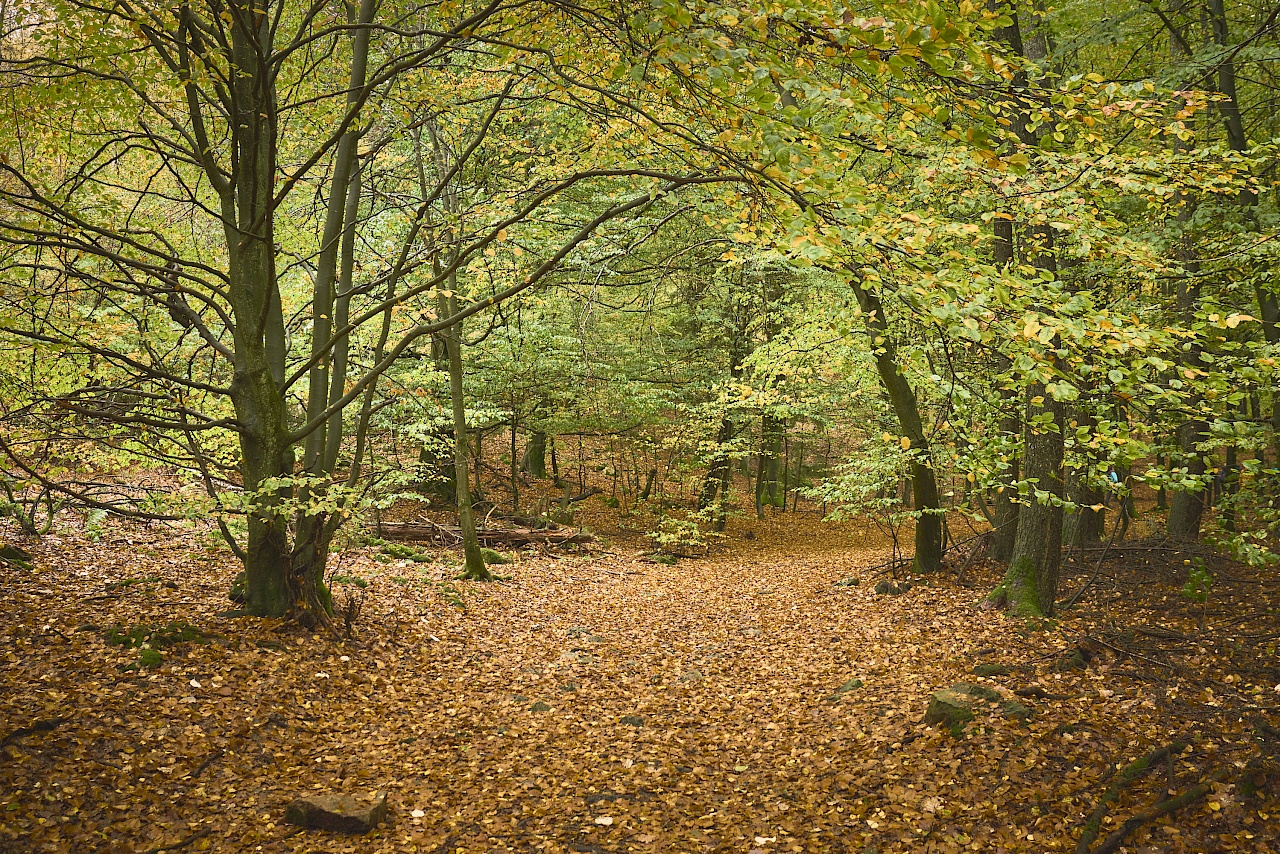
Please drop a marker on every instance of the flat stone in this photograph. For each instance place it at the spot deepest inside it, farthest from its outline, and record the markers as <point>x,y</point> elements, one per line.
<point>978,692</point>
<point>955,706</point>
<point>632,720</point>
<point>949,707</point>
<point>337,813</point>
<point>991,670</point>
<point>540,707</point>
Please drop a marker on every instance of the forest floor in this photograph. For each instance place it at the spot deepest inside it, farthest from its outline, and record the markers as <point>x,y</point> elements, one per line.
<point>600,702</point>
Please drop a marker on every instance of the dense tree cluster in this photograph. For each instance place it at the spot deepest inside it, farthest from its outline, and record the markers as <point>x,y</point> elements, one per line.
<point>306,258</point>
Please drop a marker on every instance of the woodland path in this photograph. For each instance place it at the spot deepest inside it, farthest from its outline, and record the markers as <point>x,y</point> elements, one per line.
<point>593,703</point>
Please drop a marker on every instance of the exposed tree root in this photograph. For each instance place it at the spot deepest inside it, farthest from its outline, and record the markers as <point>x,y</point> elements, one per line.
<point>1112,843</point>
<point>1127,775</point>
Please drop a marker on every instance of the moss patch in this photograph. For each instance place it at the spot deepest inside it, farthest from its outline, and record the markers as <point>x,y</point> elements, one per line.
<point>149,641</point>
<point>951,708</point>
<point>1018,590</point>
<point>157,637</point>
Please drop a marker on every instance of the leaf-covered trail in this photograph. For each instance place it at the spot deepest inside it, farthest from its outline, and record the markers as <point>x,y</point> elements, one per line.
<point>589,703</point>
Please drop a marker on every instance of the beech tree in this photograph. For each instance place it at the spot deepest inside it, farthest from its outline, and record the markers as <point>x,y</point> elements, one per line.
<point>233,114</point>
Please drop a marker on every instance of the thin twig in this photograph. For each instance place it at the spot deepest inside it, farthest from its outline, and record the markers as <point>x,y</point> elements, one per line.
<point>203,766</point>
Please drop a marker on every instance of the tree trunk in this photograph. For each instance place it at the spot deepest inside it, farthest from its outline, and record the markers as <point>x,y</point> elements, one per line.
<point>1030,585</point>
<point>1269,314</point>
<point>717,475</point>
<point>534,461</point>
<point>515,470</point>
<point>1008,511</point>
<point>761,466</point>
<point>649,478</point>
<point>1006,499</point>
<point>1085,525</point>
<point>475,569</point>
<point>771,452</point>
<point>1186,506</point>
<point>924,483</point>
<point>259,333</point>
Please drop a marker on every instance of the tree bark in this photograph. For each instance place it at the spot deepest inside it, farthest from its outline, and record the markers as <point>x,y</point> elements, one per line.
<point>1006,498</point>
<point>1186,506</point>
<point>1084,525</point>
<point>534,460</point>
<point>1030,585</point>
<point>475,569</point>
<point>924,483</point>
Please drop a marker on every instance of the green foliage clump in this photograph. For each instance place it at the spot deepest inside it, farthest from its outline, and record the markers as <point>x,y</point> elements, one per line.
<point>1199,581</point>
<point>494,557</point>
<point>150,658</point>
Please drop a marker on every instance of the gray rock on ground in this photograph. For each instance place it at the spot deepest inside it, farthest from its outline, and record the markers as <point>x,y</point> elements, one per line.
<point>337,813</point>
<point>951,708</point>
<point>955,706</point>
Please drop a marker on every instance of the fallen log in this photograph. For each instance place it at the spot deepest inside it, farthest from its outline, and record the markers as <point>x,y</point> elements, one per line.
<point>431,532</point>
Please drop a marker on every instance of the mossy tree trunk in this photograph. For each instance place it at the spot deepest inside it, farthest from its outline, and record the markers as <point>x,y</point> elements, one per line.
<point>534,460</point>
<point>447,300</point>
<point>1030,585</point>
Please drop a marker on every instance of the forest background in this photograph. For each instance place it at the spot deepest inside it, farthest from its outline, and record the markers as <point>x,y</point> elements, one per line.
<point>993,274</point>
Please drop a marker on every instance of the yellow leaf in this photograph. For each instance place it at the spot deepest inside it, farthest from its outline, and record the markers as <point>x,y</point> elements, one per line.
<point>905,443</point>
<point>1236,319</point>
